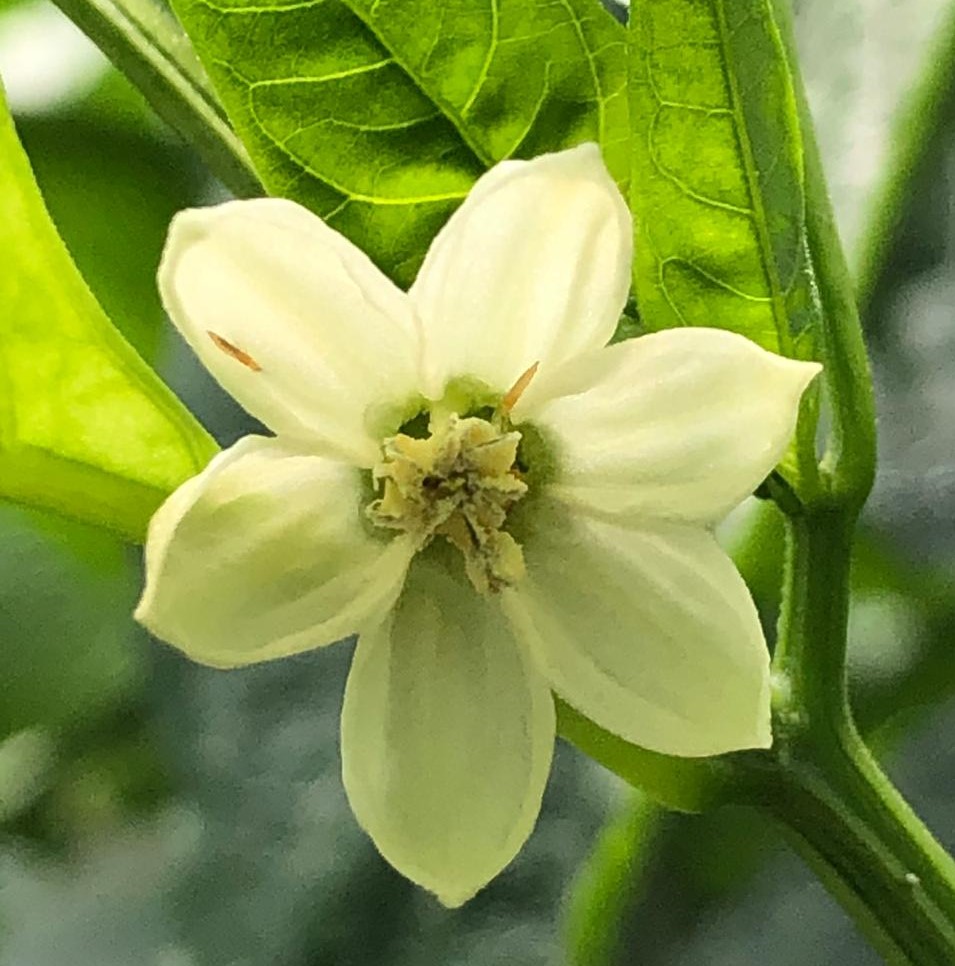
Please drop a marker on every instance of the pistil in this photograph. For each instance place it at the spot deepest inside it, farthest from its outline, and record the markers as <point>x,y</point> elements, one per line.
<point>458,483</point>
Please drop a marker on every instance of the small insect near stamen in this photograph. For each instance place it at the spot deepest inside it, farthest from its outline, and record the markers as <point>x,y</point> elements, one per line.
<point>517,390</point>
<point>233,350</point>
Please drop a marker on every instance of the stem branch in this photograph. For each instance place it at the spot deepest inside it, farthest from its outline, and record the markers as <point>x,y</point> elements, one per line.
<point>862,856</point>
<point>820,781</point>
<point>143,39</point>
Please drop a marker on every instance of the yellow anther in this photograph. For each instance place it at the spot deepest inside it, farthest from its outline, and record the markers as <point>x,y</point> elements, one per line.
<point>513,394</point>
<point>458,483</point>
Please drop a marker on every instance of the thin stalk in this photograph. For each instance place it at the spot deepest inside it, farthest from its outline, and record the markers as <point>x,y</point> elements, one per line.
<point>863,862</point>
<point>810,659</point>
<point>821,782</point>
<point>144,40</point>
<point>609,883</point>
<point>849,463</point>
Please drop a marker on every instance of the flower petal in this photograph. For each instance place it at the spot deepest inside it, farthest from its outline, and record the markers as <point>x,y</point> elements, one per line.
<point>447,736</point>
<point>533,267</point>
<point>681,424</point>
<point>294,321</point>
<point>264,554</point>
<point>650,633</point>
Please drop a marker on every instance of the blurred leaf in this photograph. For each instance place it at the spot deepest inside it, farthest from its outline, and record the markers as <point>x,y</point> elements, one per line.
<point>609,882</point>
<point>758,550</point>
<point>26,759</point>
<point>86,428</point>
<point>379,115</point>
<point>920,601</point>
<point>718,194</point>
<point>877,74</point>
<point>65,598</point>
<point>105,770</point>
<point>112,190</point>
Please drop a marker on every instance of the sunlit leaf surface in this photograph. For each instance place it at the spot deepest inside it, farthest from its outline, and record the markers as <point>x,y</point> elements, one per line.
<point>86,428</point>
<point>112,189</point>
<point>717,188</point>
<point>380,115</point>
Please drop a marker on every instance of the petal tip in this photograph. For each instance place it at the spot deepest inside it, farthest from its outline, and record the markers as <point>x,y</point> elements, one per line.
<point>186,229</point>
<point>584,161</point>
<point>141,613</point>
<point>189,223</point>
<point>455,897</point>
<point>588,151</point>
<point>802,372</point>
<point>765,739</point>
<point>587,159</point>
<point>194,224</point>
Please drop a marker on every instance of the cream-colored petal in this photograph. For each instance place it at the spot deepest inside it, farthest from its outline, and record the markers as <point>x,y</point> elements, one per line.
<point>265,554</point>
<point>533,267</point>
<point>650,633</point>
<point>681,424</point>
<point>447,736</point>
<point>292,319</point>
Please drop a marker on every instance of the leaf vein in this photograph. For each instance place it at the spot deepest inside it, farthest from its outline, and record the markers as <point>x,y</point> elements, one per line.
<point>489,56</point>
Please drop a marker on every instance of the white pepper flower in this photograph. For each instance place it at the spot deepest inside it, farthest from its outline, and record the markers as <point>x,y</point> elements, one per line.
<point>468,478</point>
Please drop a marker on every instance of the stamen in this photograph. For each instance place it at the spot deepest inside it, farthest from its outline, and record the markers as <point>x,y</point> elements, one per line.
<point>234,351</point>
<point>458,483</point>
<point>513,394</point>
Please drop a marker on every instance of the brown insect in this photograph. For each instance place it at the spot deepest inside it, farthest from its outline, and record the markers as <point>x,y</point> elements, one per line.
<point>233,350</point>
<point>517,390</point>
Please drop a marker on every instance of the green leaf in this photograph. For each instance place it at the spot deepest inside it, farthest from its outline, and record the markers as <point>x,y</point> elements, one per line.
<point>86,427</point>
<point>718,180</point>
<point>112,186</point>
<point>609,884</point>
<point>66,591</point>
<point>380,114</point>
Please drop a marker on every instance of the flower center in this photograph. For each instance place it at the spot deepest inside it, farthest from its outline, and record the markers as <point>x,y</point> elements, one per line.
<point>458,483</point>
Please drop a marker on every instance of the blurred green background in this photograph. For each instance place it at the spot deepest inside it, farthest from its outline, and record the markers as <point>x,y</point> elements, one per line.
<point>157,812</point>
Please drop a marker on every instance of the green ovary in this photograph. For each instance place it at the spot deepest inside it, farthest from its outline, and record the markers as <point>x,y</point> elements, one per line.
<point>458,483</point>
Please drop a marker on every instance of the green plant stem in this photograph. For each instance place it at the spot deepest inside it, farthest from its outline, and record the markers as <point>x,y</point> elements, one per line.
<point>859,857</point>
<point>820,781</point>
<point>814,722</point>
<point>849,462</point>
<point>143,39</point>
<point>810,657</point>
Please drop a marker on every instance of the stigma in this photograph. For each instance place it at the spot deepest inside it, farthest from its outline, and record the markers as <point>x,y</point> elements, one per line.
<point>458,483</point>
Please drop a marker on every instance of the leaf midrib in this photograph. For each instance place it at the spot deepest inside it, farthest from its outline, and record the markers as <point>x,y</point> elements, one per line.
<point>777,293</point>
<point>452,115</point>
<point>457,118</point>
